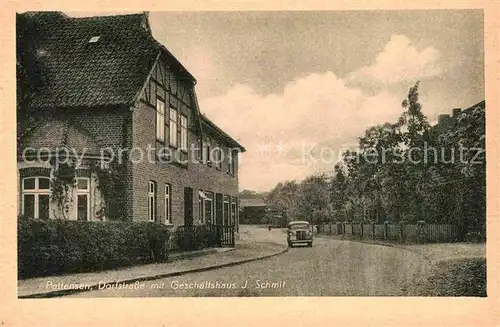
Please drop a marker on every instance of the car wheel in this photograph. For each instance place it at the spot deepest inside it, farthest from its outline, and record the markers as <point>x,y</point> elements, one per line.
<point>290,245</point>
<point>310,244</point>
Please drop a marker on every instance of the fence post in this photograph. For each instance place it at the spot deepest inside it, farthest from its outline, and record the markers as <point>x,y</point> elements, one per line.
<point>402,231</point>
<point>386,230</point>
<point>373,230</point>
<point>420,231</point>
<point>361,226</point>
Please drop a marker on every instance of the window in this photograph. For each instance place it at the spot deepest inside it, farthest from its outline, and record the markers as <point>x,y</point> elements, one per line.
<point>184,134</point>
<point>199,150</point>
<point>226,211</point>
<point>231,161</point>
<point>82,199</point>
<point>233,210</point>
<point>36,197</point>
<point>160,120</point>
<point>168,204</point>
<point>234,161</point>
<point>201,201</point>
<point>218,158</point>
<point>152,200</point>
<point>207,155</point>
<point>173,127</point>
<point>209,207</point>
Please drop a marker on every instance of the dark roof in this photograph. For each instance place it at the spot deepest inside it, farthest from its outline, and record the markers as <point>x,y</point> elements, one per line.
<point>208,123</point>
<point>58,133</point>
<point>481,105</point>
<point>110,71</point>
<point>446,120</point>
<point>252,203</point>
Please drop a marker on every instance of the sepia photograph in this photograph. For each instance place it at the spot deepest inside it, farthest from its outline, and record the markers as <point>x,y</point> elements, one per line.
<point>251,154</point>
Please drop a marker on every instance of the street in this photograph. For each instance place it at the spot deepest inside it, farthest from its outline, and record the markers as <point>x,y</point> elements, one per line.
<point>329,268</point>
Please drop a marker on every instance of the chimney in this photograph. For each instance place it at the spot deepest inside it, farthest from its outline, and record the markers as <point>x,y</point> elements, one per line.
<point>443,119</point>
<point>456,111</point>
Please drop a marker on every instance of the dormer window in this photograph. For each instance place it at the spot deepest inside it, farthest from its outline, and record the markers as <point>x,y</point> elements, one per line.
<point>94,39</point>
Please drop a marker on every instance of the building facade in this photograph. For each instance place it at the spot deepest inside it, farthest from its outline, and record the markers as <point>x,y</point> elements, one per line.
<point>107,93</point>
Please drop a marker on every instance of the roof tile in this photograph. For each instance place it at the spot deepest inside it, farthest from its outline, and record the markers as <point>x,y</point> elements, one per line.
<point>108,72</point>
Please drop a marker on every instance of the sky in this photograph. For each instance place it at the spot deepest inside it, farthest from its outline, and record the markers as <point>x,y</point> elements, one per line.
<point>295,88</point>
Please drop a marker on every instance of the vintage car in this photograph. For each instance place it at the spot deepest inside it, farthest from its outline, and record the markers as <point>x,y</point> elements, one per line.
<point>299,232</point>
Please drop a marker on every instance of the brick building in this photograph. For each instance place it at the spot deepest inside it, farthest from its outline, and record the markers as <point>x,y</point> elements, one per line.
<point>105,89</point>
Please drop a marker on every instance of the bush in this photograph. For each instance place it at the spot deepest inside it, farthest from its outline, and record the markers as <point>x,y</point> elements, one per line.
<point>463,277</point>
<point>52,247</point>
<point>475,237</point>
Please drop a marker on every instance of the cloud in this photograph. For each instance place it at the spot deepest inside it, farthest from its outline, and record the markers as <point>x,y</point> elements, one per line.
<point>306,127</point>
<point>400,61</point>
<point>300,131</point>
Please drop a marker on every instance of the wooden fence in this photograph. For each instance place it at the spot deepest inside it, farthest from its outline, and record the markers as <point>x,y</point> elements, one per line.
<point>404,233</point>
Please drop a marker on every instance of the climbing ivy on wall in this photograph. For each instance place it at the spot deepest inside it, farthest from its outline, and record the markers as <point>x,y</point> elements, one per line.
<point>112,187</point>
<point>63,180</point>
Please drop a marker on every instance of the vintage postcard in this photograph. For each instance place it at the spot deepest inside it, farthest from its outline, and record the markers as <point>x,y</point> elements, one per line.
<point>285,155</point>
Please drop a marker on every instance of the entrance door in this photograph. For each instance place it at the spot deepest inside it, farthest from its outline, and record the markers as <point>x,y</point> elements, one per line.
<point>188,206</point>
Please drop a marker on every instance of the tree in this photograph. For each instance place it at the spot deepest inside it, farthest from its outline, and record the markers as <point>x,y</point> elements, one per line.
<point>338,192</point>
<point>393,177</point>
<point>314,201</point>
<point>282,199</point>
<point>465,175</point>
<point>30,71</point>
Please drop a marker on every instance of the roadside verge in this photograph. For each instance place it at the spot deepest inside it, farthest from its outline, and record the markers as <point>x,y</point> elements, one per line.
<point>46,287</point>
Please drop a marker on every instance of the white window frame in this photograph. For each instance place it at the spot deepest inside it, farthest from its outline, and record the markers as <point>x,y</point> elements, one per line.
<point>226,199</point>
<point>160,120</point>
<point>168,203</point>
<point>184,132</point>
<point>173,119</point>
<point>230,168</point>
<point>202,199</point>
<point>233,215</point>
<point>201,207</point>
<point>152,194</point>
<point>218,158</point>
<point>207,156</point>
<point>82,192</point>
<point>232,161</point>
<point>36,192</point>
<point>212,201</point>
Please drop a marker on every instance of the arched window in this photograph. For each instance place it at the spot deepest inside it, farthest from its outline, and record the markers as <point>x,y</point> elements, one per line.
<point>35,197</point>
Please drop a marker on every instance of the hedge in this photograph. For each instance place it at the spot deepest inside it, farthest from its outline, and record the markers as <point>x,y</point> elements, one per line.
<point>54,247</point>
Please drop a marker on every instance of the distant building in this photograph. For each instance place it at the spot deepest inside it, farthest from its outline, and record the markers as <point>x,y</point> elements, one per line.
<point>252,211</point>
<point>445,121</point>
